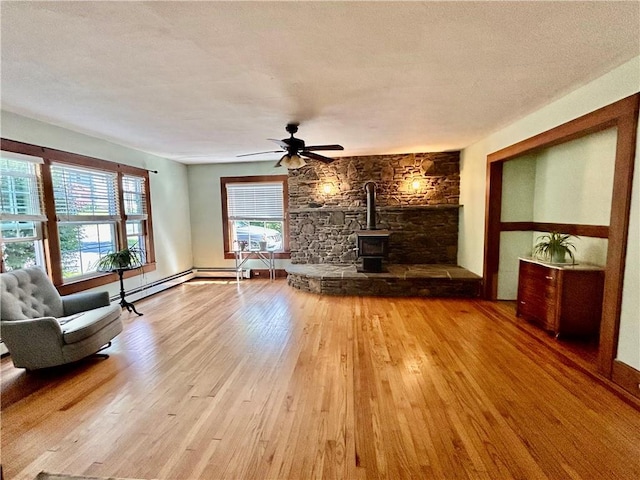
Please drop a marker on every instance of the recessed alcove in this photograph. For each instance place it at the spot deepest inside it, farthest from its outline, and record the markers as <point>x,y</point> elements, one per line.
<point>623,116</point>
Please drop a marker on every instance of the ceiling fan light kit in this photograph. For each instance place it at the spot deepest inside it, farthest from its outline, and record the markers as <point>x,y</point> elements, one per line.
<point>295,149</point>
<point>292,161</point>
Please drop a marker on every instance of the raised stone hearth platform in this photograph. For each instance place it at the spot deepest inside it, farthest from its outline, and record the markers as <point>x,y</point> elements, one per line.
<point>397,281</point>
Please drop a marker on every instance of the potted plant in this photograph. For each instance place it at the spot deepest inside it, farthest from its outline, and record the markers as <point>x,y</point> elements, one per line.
<point>127,258</point>
<point>554,247</point>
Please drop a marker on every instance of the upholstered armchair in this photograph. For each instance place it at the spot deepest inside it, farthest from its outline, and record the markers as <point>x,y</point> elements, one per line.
<point>43,329</point>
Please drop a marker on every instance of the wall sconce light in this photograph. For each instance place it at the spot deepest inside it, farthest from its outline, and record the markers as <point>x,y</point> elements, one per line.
<point>327,188</point>
<point>415,186</point>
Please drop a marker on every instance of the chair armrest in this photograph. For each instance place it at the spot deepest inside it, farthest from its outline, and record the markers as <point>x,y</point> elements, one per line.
<point>81,302</point>
<point>32,334</point>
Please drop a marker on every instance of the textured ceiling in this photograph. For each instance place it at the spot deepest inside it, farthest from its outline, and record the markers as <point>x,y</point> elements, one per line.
<point>206,81</point>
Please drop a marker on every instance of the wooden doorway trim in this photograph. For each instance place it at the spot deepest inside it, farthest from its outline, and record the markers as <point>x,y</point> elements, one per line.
<point>622,115</point>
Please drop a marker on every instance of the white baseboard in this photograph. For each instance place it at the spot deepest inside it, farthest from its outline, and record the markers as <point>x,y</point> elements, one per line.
<point>220,272</point>
<point>156,287</point>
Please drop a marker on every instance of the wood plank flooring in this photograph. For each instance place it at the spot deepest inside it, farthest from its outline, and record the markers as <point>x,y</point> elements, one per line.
<point>261,381</point>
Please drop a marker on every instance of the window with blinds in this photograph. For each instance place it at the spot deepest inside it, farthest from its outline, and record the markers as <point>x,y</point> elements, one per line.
<point>134,194</point>
<point>135,209</point>
<point>94,207</point>
<point>255,200</point>
<point>86,207</point>
<point>21,211</point>
<point>82,194</point>
<point>255,215</point>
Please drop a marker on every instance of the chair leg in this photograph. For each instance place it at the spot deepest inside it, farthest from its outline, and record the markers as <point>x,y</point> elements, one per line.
<point>104,356</point>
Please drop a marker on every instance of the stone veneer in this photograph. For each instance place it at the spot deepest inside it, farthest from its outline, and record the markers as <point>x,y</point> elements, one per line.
<point>424,224</point>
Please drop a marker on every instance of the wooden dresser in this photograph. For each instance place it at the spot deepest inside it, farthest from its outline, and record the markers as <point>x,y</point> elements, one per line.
<point>564,299</point>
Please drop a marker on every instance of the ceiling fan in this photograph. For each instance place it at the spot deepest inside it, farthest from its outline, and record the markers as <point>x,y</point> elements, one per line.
<point>295,149</point>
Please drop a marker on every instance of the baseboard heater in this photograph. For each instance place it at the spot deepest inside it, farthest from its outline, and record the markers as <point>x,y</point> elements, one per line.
<point>156,287</point>
<point>220,272</point>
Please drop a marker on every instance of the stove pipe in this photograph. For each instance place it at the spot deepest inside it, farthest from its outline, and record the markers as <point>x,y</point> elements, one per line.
<point>370,189</point>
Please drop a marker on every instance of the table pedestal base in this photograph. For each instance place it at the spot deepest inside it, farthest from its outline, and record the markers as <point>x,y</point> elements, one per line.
<point>123,303</point>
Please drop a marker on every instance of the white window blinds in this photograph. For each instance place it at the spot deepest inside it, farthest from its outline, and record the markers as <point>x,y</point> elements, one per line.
<point>135,197</point>
<point>83,194</point>
<point>20,188</point>
<point>249,201</point>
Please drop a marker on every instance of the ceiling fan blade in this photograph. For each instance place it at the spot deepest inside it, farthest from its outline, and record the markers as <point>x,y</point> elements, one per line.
<point>315,156</point>
<point>324,147</point>
<point>282,143</point>
<point>259,153</point>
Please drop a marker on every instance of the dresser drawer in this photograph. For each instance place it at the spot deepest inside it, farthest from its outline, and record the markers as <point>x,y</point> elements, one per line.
<point>532,309</point>
<point>537,294</point>
<point>566,300</point>
<point>539,309</point>
<point>538,275</point>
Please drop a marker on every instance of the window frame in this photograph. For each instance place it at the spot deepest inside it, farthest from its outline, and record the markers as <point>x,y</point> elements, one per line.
<point>228,251</point>
<point>50,225</point>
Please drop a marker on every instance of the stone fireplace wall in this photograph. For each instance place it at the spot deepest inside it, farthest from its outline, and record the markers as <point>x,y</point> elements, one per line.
<point>327,204</point>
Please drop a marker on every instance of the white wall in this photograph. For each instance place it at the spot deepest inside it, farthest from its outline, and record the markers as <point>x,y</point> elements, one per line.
<point>206,210</point>
<point>615,85</point>
<point>518,188</point>
<point>169,195</point>
<point>574,180</point>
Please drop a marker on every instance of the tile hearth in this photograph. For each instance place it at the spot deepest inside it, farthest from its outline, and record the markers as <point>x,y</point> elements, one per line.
<point>422,280</point>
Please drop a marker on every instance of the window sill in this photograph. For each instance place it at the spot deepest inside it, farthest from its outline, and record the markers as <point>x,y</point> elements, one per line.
<point>100,280</point>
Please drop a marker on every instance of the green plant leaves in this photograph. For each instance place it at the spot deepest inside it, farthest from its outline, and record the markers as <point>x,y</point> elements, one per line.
<point>123,259</point>
<point>554,245</point>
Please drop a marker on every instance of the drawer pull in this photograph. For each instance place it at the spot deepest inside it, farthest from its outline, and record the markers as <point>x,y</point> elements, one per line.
<point>548,277</point>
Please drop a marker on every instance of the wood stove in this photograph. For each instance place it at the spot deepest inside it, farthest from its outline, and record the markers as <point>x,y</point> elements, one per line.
<point>373,244</point>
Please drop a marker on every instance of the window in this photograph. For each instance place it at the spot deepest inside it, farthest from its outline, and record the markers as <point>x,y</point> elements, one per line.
<point>67,211</point>
<point>135,209</point>
<point>21,211</point>
<point>254,214</point>
<point>86,206</point>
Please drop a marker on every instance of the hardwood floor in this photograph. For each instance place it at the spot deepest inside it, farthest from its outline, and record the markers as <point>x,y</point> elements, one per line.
<point>581,351</point>
<point>261,381</point>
